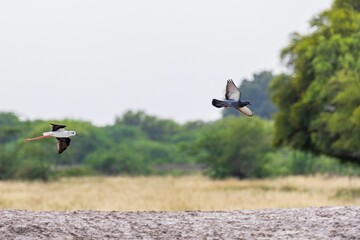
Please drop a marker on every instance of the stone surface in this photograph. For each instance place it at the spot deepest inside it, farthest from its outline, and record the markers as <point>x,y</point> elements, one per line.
<point>299,223</point>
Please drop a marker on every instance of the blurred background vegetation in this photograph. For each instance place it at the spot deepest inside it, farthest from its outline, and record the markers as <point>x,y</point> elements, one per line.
<point>307,122</point>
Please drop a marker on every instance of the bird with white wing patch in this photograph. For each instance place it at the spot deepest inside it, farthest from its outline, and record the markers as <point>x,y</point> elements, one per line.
<point>233,100</point>
<point>62,136</point>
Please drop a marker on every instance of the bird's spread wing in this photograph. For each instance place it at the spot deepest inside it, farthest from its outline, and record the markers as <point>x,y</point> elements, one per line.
<point>56,127</point>
<point>232,92</point>
<point>62,144</point>
<point>246,111</point>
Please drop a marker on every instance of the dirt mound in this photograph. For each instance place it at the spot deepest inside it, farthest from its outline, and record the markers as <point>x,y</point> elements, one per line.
<point>300,223</point>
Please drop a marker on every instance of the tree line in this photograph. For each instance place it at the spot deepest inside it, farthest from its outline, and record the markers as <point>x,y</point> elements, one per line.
<point>318,100</point>
<point>307,122</point>
<point>141,144</point>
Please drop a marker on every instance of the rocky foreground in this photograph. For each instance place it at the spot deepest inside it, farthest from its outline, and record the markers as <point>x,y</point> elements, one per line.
<point>301,223</point>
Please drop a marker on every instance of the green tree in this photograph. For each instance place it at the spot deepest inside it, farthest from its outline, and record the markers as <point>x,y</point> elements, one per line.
<point>235,147</point>
<point>318,101</point>
<point>133,157</point>
<point>155,128</point>
<point>11,127</point>
<point>121,159</point>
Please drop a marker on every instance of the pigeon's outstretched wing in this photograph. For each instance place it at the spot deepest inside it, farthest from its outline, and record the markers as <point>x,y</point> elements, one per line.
<point>56,127</point>
<point>62,144</point>
<point>246,111</point>
<point>232,92</point>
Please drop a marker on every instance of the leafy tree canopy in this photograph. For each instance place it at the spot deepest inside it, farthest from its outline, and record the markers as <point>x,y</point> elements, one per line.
<point>319,101</point>
<point>235,147</point>
<point>231,146</point>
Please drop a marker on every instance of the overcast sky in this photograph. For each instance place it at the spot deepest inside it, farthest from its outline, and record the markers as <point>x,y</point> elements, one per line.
<point>94,60</point>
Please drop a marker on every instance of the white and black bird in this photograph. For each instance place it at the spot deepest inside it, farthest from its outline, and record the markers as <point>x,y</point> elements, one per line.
<point>62,136</point>
<point>233,100</point>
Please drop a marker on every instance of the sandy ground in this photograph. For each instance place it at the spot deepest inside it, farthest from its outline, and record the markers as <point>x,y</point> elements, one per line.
<point>301,223</point>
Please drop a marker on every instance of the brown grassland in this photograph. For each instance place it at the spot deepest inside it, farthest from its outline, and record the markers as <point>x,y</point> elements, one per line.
<point>178,193</point>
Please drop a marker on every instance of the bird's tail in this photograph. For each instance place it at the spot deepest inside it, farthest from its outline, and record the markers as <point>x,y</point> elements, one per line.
<point>218,103</point>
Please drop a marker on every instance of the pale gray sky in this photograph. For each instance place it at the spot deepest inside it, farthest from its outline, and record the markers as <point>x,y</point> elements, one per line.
<point>93,60</point>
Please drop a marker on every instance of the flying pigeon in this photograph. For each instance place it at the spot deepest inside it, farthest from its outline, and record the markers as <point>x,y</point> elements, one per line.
<point>62,136</point>
<point>232,97</point>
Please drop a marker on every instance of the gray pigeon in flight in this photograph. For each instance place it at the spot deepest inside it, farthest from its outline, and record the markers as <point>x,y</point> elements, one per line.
<point>232,97</point>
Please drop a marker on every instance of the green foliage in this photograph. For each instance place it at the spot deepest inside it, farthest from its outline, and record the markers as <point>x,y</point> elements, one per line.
<point>318,113</point>
<point>120,132</point>
<point>350,4</point>
<point>32,162</point>
<point>319,102</point>
<point>10,127</point>
<point>7,161</point>
<point>235,147</point>
<point>284,162</point>
<point>121,159</point>
<point>256,90</point>
<point>138,157</point>
<point>156,129</point>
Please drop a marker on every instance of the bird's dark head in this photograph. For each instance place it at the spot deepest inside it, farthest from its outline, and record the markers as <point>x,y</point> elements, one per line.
<point>243,103</point>
<point>246,102</point>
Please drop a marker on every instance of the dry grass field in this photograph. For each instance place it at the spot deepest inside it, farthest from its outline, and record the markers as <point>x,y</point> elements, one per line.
<point>178,193</point>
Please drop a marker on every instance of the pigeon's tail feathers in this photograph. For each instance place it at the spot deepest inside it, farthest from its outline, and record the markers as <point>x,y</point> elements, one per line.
<point>218,103</point>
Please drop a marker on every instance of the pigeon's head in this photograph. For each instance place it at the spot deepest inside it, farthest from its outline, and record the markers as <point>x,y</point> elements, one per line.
<point>246,102</point>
